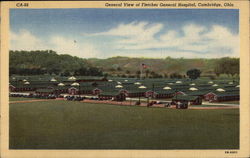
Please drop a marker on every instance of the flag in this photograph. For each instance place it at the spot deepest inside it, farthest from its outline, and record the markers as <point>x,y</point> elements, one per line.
<point>144,66</point>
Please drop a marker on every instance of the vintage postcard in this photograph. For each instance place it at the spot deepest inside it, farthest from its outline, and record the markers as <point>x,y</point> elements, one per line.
<point>124,79</point>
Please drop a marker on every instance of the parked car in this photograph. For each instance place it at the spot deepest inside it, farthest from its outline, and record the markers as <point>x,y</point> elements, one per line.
<point>51,96</point>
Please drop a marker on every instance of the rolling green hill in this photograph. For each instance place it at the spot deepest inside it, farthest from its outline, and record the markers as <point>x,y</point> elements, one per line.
<point>121,65</point>
<point>49,62</point>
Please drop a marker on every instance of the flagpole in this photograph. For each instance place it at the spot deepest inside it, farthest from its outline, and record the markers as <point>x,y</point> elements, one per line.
<point>141,70</point>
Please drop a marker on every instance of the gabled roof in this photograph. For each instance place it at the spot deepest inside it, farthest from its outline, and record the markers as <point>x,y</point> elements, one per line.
<point>164,91</point>
<point>227,95</point>
<point>197,93</point>
<point>110,93</point>
<point>61,87</point>
<point>185,97</point>
<point>137,90</point>
<point>221,94</point>
<point>45,90</point>
<point>87,88</point>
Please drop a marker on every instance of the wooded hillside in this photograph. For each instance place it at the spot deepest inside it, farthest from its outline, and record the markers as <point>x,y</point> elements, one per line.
<point>49,62</point>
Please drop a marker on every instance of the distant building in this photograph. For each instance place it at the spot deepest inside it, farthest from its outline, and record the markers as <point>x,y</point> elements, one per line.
<point>45,92</point>
<point>114,95</point>
<point>221,96</point>
<point>192,100</point>
<point>73,91</point>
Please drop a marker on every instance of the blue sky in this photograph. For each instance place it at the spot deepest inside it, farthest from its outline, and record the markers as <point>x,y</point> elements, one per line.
<point>103,33</point>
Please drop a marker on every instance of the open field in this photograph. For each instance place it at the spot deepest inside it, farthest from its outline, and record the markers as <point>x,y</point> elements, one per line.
<point>76,125</point>
<point>20,98</point>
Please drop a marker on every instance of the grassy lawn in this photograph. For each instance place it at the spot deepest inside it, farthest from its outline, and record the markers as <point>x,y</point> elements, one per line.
<point>75,125</point>
<point>20,98</point>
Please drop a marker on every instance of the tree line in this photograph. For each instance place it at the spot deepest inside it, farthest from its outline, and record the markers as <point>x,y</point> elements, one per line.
<point>228,66</point>
<point>41,62</point>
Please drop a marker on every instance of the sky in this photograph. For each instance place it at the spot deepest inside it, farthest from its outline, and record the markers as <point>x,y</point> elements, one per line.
<point>150,33</point>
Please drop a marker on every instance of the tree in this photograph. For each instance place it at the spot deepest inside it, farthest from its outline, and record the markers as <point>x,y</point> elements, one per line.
<point>105,75</point>
<point>138,73</point>
<point>93,71</point>
<point>193,73</point>
<point>127,72</point>
<point>165,75</point>
<point>217,70</point>
<point>66,73</point>
<point>147,73</point>
<point>229,66</point>
<point>175,75</point>
<point>152,73</point>
<point>119,68</point>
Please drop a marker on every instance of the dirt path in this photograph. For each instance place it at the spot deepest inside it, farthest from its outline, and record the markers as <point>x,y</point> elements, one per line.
<point>211,108</point>
<point>208,103</point>
<point>126,103</point>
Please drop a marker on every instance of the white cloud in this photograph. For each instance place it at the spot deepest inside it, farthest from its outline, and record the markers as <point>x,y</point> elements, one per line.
<point>202,41</point>
<point>134,32</point>
<point>139,39</point>
<point>222,38</point>
<point>90,51</point>
<point>64,45</point>
<point>193,31</point>
<point>25,40</point>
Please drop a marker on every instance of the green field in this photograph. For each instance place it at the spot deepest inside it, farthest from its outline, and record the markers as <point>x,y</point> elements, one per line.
<point>20,98</point>
<point>75,125</point>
